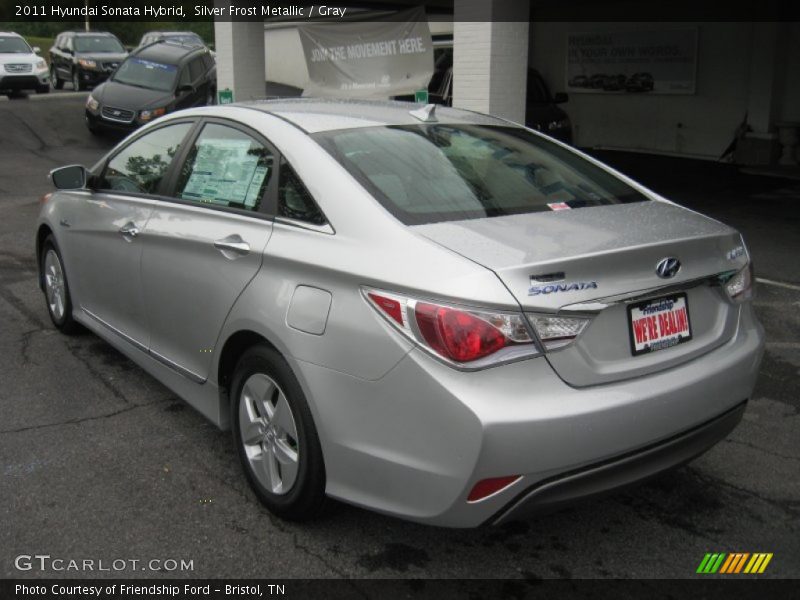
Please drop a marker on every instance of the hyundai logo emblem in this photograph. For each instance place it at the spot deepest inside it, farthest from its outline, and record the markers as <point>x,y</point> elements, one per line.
<point>668,267</point>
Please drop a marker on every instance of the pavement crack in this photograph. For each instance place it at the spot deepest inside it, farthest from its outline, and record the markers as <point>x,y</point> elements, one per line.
<point>116,392</point>
<point>764,450</point>
<point>711,480</point>
<point>25,339</point>
<point>82,419</point>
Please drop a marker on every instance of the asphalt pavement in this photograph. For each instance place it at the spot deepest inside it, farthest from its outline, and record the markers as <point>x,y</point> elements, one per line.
<point>99,461</point>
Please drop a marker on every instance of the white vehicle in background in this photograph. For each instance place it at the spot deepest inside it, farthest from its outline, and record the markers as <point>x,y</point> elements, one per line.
<point>21,68</point>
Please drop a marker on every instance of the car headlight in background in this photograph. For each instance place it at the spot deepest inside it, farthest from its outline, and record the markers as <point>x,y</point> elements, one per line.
<point>91,103</point>
<point>560,124</point>
<point>149,115</point>
<point>41,65</point>
<point>87,64</point>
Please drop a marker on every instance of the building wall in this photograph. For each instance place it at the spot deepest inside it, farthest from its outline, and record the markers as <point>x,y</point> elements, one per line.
<point>701,124</point>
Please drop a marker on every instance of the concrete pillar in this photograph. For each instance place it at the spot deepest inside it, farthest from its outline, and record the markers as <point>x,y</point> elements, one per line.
<point>490,56</point>
<point>766,75</point>
<point>240,58</point>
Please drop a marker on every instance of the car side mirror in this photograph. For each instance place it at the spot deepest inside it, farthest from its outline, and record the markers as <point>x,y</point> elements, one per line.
<point>36,49</point>
<point>184,88</point>
<point>72,177</point>
<point>560,98</point>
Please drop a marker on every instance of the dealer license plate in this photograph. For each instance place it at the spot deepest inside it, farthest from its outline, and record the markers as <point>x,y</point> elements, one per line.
<point>659,324</point>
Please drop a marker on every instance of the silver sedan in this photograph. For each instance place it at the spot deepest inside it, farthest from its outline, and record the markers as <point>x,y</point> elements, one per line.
<point>431,313</point>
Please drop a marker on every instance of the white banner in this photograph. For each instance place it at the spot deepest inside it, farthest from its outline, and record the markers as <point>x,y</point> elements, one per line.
<point>368,59</point>
<point>655,62</point>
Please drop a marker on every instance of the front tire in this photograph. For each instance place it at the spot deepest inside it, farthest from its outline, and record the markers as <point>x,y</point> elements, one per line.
<point>76,81</point>
<point>43,89</point>
<point>55,80</point>
<point>56,288</point>
<point>275,436</point>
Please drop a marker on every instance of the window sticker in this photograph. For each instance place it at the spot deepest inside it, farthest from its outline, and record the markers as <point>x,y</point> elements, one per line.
<point>226,172</point>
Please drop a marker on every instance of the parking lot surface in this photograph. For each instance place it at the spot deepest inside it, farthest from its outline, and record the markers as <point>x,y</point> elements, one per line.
<point>99,461</point>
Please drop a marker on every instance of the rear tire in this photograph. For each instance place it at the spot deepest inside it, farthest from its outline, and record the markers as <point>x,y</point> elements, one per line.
<point>55,80</point>
<point>56,288</point>
<point>275,436</point>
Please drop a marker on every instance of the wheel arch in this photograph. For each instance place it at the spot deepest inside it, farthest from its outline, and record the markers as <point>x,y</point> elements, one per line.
<point>232,350</point>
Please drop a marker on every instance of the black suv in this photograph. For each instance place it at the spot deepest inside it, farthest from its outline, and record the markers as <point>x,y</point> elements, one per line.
<point>86,58</point>
<point>154,80</point>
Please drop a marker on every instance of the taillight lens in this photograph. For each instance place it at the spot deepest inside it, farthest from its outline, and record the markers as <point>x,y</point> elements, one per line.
<point>740,286</point>
<point>462,337</point>
<point>556,332</point>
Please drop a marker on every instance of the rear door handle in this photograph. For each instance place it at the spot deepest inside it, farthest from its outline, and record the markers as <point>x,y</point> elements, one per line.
<point>129,230</point>
<point>233,243</point>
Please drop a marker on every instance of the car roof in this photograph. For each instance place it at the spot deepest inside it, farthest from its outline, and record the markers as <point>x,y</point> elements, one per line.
<point>10,34</point>
<point>84,33</point>
<point>159,32</point>
<point>314,115</point>
<point>166,51</point>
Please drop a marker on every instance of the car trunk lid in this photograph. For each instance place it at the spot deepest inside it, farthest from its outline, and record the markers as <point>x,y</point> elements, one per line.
<point>600,261</point>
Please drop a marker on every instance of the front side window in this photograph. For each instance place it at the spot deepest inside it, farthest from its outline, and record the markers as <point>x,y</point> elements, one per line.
<point>139,72</point>
<point>99,43</point>
<point>432,173</point>
<point>294,201</point>
<point>226,168</point>
<point>141,166</point>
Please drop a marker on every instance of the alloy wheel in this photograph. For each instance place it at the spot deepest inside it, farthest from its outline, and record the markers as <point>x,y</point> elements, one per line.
<point>54,285</point>
<point>269,434</point>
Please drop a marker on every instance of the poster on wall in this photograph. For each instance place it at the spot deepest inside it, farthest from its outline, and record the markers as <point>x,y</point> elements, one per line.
<point>632,62</point>
<point>373,59</point>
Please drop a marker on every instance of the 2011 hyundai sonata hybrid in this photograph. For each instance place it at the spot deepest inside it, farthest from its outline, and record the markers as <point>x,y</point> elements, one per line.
<point>434,314</point>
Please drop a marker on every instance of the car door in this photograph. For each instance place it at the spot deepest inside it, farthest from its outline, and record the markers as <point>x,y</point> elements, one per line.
<point>106,232</point>
<point>205,245</point>
<point>65,59</point>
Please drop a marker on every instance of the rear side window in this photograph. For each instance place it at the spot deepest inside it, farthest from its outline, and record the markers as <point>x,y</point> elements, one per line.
<point>140,166</point>
<point>432,173</point>
<point>227,168</point>
<point>294,200</point>
<point>196,69</point>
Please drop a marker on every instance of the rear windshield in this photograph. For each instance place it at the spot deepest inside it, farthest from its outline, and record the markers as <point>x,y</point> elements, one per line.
<point>14,45</point>
<point>146,74</point>
<point>430,173</point>
<point>100,43</point>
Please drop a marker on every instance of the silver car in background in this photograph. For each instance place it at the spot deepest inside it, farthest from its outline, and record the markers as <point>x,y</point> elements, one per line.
<point>435,314</point>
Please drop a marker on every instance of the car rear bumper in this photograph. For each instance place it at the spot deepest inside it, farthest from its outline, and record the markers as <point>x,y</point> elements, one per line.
<point>415,442</point>
<point>597,479</point>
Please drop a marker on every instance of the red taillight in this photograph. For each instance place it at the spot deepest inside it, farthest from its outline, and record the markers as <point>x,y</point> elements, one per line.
<point>388,305</point>
<point>464,338</point>
<point>458,335</point>
<point>487,487</point>
<point>45,198</point>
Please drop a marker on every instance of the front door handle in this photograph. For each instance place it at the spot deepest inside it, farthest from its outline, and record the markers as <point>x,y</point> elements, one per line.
<point>234,244</point>
<point>129,230</point>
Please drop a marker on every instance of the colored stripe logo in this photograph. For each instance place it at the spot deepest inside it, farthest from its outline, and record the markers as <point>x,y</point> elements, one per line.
<point>734,563</point>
